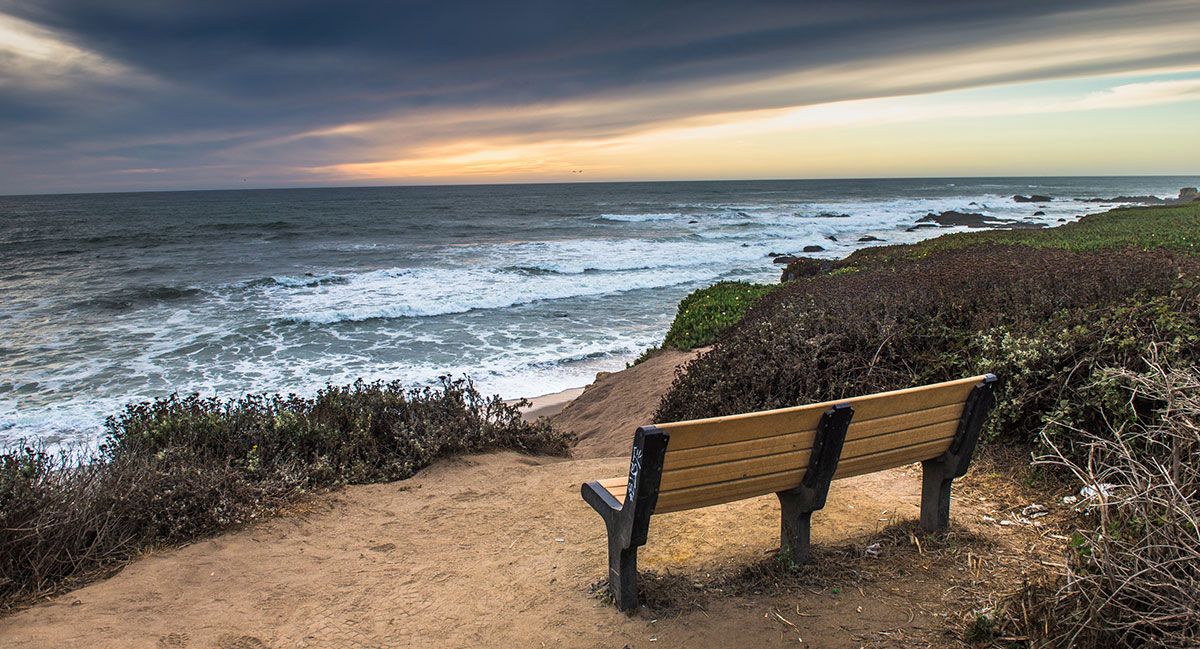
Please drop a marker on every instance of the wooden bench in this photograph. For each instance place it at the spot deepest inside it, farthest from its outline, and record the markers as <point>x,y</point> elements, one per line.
<point>794,453</point>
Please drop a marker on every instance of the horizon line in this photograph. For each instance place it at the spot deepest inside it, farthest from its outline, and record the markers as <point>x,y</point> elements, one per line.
<point>585,182</point>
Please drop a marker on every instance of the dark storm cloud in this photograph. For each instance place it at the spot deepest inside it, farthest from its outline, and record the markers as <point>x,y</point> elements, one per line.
<point>200,84</point>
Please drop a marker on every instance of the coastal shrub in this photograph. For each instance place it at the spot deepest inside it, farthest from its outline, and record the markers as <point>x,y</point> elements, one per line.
<point>179,468</point>
<point>1132,575</point>
<point>1045,320</point>
<point>707,312</point>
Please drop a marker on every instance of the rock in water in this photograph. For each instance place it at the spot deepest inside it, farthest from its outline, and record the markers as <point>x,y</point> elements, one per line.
<point>1032,198</point>
<point>952,218</point>
<point>1188,195</point>
<point>1144,200</point>
<point>813,248</point>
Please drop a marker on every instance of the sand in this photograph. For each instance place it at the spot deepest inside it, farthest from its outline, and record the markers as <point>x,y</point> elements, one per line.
<point>499,550</point>
<point>549,405</point>
<point>485,551</point>
<point>608,411</point>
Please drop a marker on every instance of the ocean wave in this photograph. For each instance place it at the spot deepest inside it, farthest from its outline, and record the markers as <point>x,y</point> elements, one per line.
<point>579,256</point>
<point>140,295</point>
<point>426,292</point>
<point>249,226</point>
<point>641,218</point>
<point>298,281</point>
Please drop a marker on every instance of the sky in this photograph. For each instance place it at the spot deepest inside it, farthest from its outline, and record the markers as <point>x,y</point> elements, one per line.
<point>127,95</point>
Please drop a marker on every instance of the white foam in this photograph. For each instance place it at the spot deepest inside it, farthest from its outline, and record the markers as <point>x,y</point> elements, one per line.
<point>304,280</point>
<point>576,256</point>
<point>423,292</point>
<point>641,218</point>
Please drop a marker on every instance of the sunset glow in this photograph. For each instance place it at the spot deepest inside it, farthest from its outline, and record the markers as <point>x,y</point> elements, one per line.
<point>1107,90</point>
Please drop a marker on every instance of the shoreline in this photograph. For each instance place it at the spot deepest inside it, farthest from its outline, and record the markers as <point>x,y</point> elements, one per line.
<point>548,405</point>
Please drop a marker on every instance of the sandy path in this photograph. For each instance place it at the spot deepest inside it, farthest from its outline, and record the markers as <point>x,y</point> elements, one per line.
<point>487,551</point>
<point>605,414</point>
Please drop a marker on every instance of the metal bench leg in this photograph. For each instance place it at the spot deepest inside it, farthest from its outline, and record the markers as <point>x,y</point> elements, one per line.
<point>622,576</point>
<point>797,505</point>
<point>937,475</point>
<point>935,496</point>
<point>795,529</point>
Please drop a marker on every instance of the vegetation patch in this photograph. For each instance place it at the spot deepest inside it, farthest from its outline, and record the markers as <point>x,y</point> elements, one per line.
<point>1046,321</point>
<point>1133,563</point>
<point>707,312</point>
<point>1174,228</point>
<point>181,468</point>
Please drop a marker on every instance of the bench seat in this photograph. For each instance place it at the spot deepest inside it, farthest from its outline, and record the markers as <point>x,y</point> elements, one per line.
<point>792,452</point>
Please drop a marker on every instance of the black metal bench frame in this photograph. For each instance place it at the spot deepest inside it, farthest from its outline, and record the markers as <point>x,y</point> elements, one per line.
<point>628,523</point>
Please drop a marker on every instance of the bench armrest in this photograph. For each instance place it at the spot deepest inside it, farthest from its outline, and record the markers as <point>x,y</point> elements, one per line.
<point>599,498</point>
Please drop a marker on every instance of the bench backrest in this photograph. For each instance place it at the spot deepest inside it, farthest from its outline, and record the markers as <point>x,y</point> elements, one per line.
<point>723,459</point>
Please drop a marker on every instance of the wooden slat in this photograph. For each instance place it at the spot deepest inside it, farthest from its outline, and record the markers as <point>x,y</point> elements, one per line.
<point>735,428</point>
<point>611,483</point>
<point>740,470</point>
<point>899,439</point>
<point>888,404</point>
<point>733,451</point>
<point>738,428</point>
<point>723,492</point>
<point>866,427</point>
<point>892,458</point>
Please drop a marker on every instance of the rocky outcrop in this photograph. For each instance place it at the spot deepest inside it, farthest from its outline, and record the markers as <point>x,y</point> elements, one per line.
<point>1032,198</point>
<point>1141,200</point>
<point>813,248</point>
<point>805,267</point>
<point>953,218</point>
<point>1186,195</point>
<point>868,238</point>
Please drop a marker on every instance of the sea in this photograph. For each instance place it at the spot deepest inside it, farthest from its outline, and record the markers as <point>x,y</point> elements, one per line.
<point>107,299</point>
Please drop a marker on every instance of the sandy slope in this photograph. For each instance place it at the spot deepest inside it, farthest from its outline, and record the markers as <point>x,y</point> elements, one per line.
<point>606,414</point>
<point>495,551</point>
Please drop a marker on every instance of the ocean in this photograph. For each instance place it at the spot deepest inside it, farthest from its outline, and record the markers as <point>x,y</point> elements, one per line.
<point>107,299</point>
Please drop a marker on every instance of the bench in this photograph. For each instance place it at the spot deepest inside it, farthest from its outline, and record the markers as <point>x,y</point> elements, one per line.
<point>794,453</point>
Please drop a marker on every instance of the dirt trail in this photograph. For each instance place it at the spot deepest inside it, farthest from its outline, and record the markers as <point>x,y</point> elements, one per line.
<point>500,551</point>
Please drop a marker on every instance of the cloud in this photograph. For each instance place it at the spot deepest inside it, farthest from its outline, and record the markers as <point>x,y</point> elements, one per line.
<point>211,93</point>
<point>34,55</point>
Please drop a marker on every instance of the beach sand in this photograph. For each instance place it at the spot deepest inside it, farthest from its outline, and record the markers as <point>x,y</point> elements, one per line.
<point>548,405</point>
<point>499,550</point>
